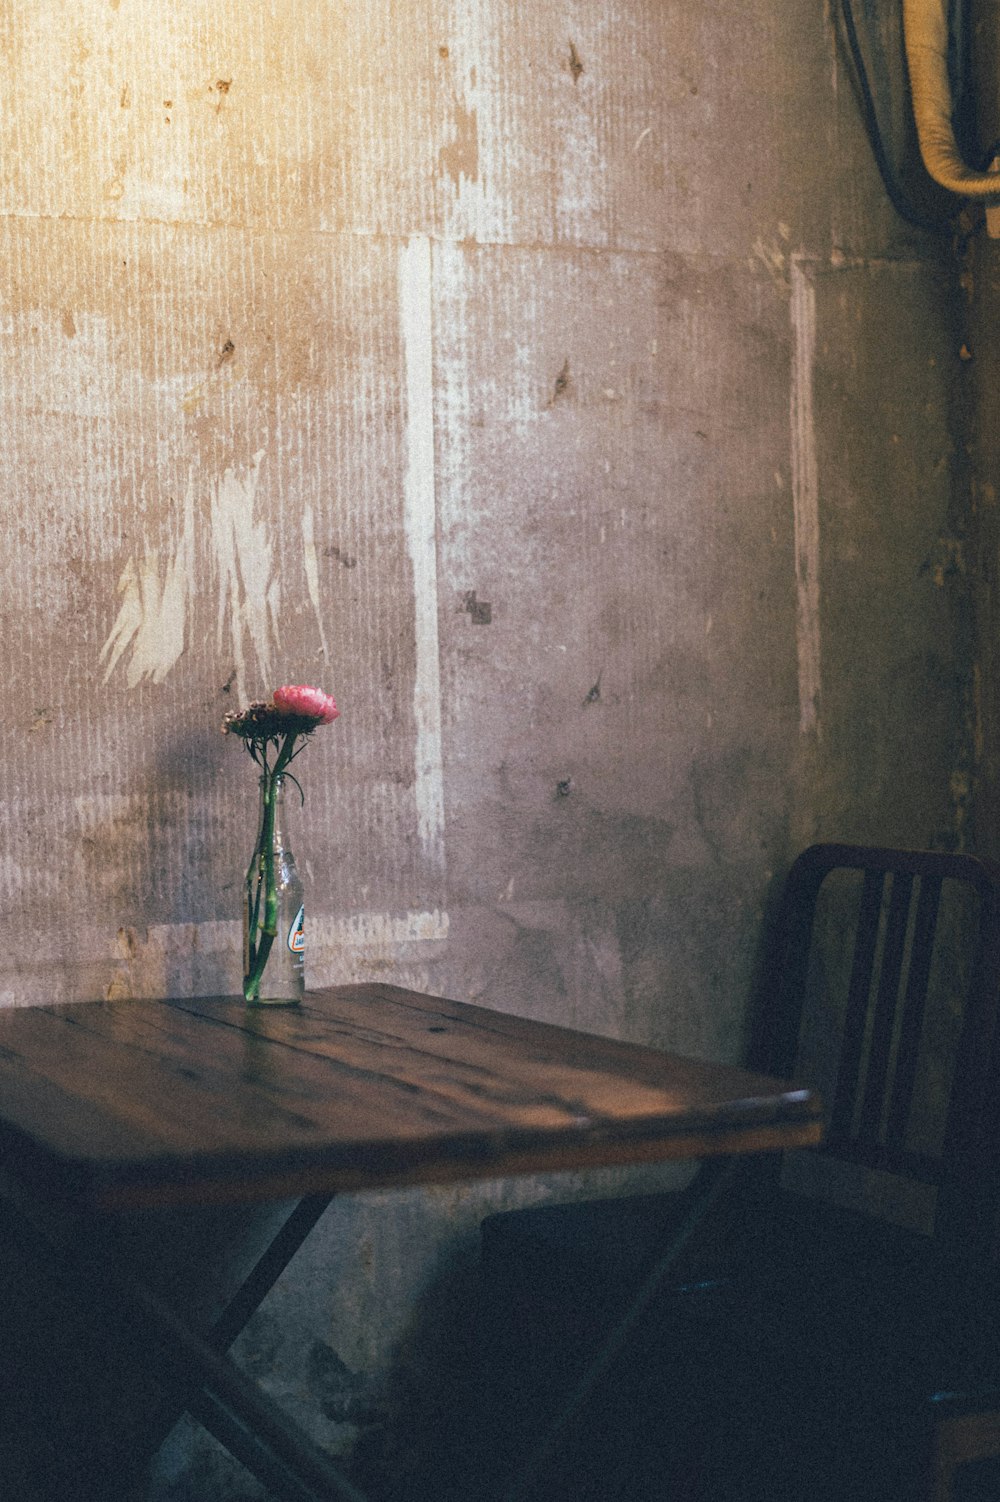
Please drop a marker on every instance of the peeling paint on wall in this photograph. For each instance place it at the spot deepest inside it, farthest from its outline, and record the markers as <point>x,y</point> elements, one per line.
<point>311,563</point>
<point>152,616</point>
<point>151,624</point>
<point>249,603</point>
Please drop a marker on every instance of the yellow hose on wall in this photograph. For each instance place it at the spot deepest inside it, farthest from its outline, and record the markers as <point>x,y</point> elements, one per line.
<point>925,27</point>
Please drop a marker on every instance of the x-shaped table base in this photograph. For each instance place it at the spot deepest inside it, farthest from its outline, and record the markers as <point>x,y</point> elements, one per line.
<point>191,1368</point>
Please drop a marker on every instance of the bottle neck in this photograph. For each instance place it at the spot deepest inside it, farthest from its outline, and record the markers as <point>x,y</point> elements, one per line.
<point>276,822</point>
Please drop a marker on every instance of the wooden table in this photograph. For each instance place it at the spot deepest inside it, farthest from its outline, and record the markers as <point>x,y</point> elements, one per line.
<point>109,1108</point>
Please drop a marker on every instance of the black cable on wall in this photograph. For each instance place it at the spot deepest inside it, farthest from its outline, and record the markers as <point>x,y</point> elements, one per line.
<point>899,199</point>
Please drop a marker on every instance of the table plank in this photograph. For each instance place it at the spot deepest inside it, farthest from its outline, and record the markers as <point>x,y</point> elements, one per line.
<point>118,1105</point>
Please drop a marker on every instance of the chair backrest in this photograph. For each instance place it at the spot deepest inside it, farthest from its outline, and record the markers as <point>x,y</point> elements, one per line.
<point>883,989</point>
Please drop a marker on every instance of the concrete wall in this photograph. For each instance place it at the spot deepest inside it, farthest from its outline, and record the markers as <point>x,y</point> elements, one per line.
<point>550,380</point>
<point>982,297</point>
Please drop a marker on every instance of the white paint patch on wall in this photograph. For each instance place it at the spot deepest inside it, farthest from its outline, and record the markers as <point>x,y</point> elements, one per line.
<point>310,562</point>
<point>249,590</point>
<point>376,930</point>
<point>152,616</point>
<point>805,497</point>
<point>451,265</point>
<point>420,526</point>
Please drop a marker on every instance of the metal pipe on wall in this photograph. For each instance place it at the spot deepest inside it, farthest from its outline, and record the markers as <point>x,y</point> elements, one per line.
<point>926,30</point>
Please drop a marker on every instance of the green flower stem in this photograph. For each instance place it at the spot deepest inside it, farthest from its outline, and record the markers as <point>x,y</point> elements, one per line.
<point>260,947</point>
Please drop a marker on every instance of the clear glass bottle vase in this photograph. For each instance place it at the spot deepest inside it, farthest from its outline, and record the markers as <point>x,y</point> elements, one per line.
<point>273,910</point>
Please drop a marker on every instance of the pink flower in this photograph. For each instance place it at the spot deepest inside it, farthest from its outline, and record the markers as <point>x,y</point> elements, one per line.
<point>311,703</point>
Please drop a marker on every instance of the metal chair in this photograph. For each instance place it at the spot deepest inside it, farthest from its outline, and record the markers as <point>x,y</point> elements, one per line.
<point>854,1354</point>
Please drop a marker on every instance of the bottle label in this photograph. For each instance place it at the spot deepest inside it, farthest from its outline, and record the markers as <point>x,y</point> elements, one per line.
<point>297,932</point>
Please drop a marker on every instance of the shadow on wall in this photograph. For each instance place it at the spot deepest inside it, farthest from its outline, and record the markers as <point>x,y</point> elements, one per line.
<point>481,1375</point>
<point>166,852</point>
<point>436,1441</point>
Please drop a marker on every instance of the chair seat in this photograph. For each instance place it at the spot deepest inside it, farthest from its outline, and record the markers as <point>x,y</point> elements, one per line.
<point>583,1251</point>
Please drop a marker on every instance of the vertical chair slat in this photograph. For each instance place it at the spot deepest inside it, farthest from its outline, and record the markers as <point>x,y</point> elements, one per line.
<point>886,1003</point>
<point>914,1006</point>
<point>855,1020</point>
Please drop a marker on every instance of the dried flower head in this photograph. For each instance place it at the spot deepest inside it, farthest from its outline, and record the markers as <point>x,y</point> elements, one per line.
<point>262,721</point>
<point>293,711</point>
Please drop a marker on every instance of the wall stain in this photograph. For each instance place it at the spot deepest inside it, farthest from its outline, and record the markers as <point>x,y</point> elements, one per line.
<point>562,384</point>
<point>480,612</point>
<point>193,398</point>
<point>344,1396</point>
<point>127,942</point>
<point>461,158</point>
<point>575,65</point>
<point>948,562</point>
<point>114,187</point>
<point>347,559</point>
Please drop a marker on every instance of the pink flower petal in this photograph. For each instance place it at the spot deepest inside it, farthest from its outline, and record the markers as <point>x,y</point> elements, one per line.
<point>298,698</point>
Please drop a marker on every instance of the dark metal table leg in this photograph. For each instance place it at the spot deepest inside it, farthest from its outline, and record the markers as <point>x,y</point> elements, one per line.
<point>191,1370</point>
<point>244,1303</point>
<point>235,1410</point>
<point>267,1270</point>
<point>718,1175</point>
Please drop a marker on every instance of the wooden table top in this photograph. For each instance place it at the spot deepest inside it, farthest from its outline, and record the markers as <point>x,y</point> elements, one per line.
<point>138,1104</point>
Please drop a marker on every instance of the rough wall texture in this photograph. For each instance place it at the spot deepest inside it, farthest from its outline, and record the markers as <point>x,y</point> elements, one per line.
<point>552,381</point>
<point>982,293</point>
